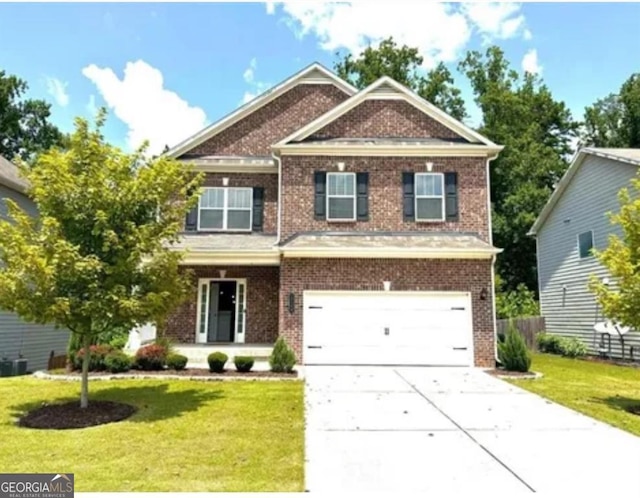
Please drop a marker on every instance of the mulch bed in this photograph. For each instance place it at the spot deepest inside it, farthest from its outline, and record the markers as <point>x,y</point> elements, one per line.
<point>612,361</point>
<point>71,416</point>
<point>188,372</point>
<point>498,372</point>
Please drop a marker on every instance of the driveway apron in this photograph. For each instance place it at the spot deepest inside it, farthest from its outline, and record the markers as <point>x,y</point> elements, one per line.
<point>454,430</point>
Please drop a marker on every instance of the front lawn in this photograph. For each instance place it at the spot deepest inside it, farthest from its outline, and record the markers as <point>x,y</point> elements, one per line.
<point>185,436</point>
<point>599,390</point>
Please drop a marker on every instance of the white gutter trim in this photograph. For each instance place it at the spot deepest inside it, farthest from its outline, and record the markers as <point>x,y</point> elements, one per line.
<point>232,168</point>
<point>390,253</point>
<point>493,301</point>
<point>387,150</point>
<point>243,258</point>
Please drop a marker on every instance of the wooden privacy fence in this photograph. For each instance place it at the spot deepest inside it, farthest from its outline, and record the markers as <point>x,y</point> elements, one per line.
<point>528,328</point>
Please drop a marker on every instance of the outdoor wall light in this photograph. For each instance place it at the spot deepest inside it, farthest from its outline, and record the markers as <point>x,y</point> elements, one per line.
<point>222,273</point>
<point>291,302</point>
<point>340,166</point>
<point>387,285</point>
<point>429,166</point>
<point>225,182</point>
<point>483,294</point>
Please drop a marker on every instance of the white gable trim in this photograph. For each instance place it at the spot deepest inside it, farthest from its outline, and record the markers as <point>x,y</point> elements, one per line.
<point>401,92</point>
<point>564,182</point>
<point>259,102</point>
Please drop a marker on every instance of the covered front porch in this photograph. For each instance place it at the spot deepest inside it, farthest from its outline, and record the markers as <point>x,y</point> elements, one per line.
<point>198,353</point>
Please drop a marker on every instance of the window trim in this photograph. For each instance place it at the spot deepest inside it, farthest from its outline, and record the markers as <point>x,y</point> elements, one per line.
<point>593,244</point>
<point>225,210</point>
<point>416,196</point>
<point>355,197</point>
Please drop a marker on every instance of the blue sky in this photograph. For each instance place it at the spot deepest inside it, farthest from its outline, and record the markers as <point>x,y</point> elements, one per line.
<point>166,70</point>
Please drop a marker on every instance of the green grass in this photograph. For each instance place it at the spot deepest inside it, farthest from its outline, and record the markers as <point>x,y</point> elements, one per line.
<point>599,390</point>
<point>185,436</point>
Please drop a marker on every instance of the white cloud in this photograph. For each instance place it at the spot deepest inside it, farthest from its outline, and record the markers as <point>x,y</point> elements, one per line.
<point>58,90</point>
<point>256,87</point>
<point>150,111</point>
<point>527,35</point>
<point>530,62</point>
<point>439,30</point>
<point>91,107</point>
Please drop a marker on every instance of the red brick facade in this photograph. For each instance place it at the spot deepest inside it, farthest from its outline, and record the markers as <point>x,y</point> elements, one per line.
<point>298,275</point>
<point>385,118</point>
<point>254,135</point>
<point>262,304</point>
<point>385,193</point>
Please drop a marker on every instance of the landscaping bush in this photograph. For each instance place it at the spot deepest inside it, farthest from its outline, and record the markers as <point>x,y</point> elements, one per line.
<point>176,361</point>
<point>217,361</point>
<point>548,343</point>
<point>572,347</point>
<point>118,361</point>
<point>243,363</point>
<point>97,355</point>
<point>513,352</point>
<point>166,343</point>
<point>151,357</point>
<point>282,358</point>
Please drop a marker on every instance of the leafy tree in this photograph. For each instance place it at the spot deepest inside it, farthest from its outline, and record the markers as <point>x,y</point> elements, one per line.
<point>97,258</point>
<point>520,302</point>
<point>621,302</point>
<point>24,123</point>
<point>614,121</point>
<point>536,130</point>
<point>403,65</point>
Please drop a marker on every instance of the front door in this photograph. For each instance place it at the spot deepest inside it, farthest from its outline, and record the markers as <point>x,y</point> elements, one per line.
<point>221,311</point>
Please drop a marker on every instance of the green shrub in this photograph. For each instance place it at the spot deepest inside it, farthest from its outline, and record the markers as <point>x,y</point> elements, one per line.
<point>217,361</point>
<point>513,352</point>
<point>243,363</point>
<point>151,357</point>
<point>572,347</point>
<point>117,361</point>
<point>282,358</point>
<point>97,355</point>
<point>176,361</point>
<point>116,337</point>
<point>166,343</point>
<point>548,343</point>
<point>520,302</point>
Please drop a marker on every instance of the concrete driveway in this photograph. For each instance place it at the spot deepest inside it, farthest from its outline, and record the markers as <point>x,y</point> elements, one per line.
<point>453,430</point>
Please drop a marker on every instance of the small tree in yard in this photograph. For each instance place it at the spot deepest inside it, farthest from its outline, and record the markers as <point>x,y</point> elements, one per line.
<point>622,259</point>
<point>513,352</point>
<point>97,257</point>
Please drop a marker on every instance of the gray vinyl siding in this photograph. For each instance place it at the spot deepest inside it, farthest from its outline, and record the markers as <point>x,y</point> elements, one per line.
<point>591,194</point>
<point>34,342</point>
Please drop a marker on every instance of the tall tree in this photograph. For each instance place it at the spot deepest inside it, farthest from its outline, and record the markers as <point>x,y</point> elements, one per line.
<point>98,257</point>
<point>614,121</point>
<point>536,130</point>
<point>25,129</point>
<point>403,64</point>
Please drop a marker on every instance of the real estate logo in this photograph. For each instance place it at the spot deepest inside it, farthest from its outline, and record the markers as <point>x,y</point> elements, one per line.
<point>36,485</point>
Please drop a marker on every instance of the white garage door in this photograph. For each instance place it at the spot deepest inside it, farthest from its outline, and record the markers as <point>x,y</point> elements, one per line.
<point>387,328</point>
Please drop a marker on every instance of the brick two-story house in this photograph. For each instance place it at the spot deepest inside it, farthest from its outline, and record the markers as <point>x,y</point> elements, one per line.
<point>355,224</point>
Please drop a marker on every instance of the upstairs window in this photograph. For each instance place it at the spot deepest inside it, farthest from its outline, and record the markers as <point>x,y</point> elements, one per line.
<point>429,196</point>
<point>585,244</point>
<point>341,196</point>
<point>225,209</point>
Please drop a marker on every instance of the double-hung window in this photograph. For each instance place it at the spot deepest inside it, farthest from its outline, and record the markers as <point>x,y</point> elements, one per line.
<point>341,196</point>
<point>225,209</point>
<point>585,244</point>
<point>429,196</point>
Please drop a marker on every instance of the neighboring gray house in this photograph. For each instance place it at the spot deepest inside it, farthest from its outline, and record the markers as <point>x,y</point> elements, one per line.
<point>34,342</point>
<point>573,221</point>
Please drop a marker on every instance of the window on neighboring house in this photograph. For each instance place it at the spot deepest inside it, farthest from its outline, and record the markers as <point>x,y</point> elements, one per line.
<point>585,244</point>
<point>225,209</point>
<point>341,196</point>
<point>429,188</point>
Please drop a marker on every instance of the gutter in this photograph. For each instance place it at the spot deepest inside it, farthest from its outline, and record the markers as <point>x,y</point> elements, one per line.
<point>278,160</point>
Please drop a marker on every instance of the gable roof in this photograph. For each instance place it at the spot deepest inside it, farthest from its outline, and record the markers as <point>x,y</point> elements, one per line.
<point>315,73</point>
<point>10,176</point>
<point>385,88</point>
<point>630,156</point>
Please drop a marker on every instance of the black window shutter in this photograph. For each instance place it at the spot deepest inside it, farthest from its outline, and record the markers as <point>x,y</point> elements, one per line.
<point>451,196</point>
<point>408,196</point>
<point>258,208</point>
<point>191,221</point>
<point>362,179</point>
<point>320,198</point>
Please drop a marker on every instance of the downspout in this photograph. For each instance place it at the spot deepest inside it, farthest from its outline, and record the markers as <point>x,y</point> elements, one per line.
<point>278,160</point>
<point>493,261</point>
